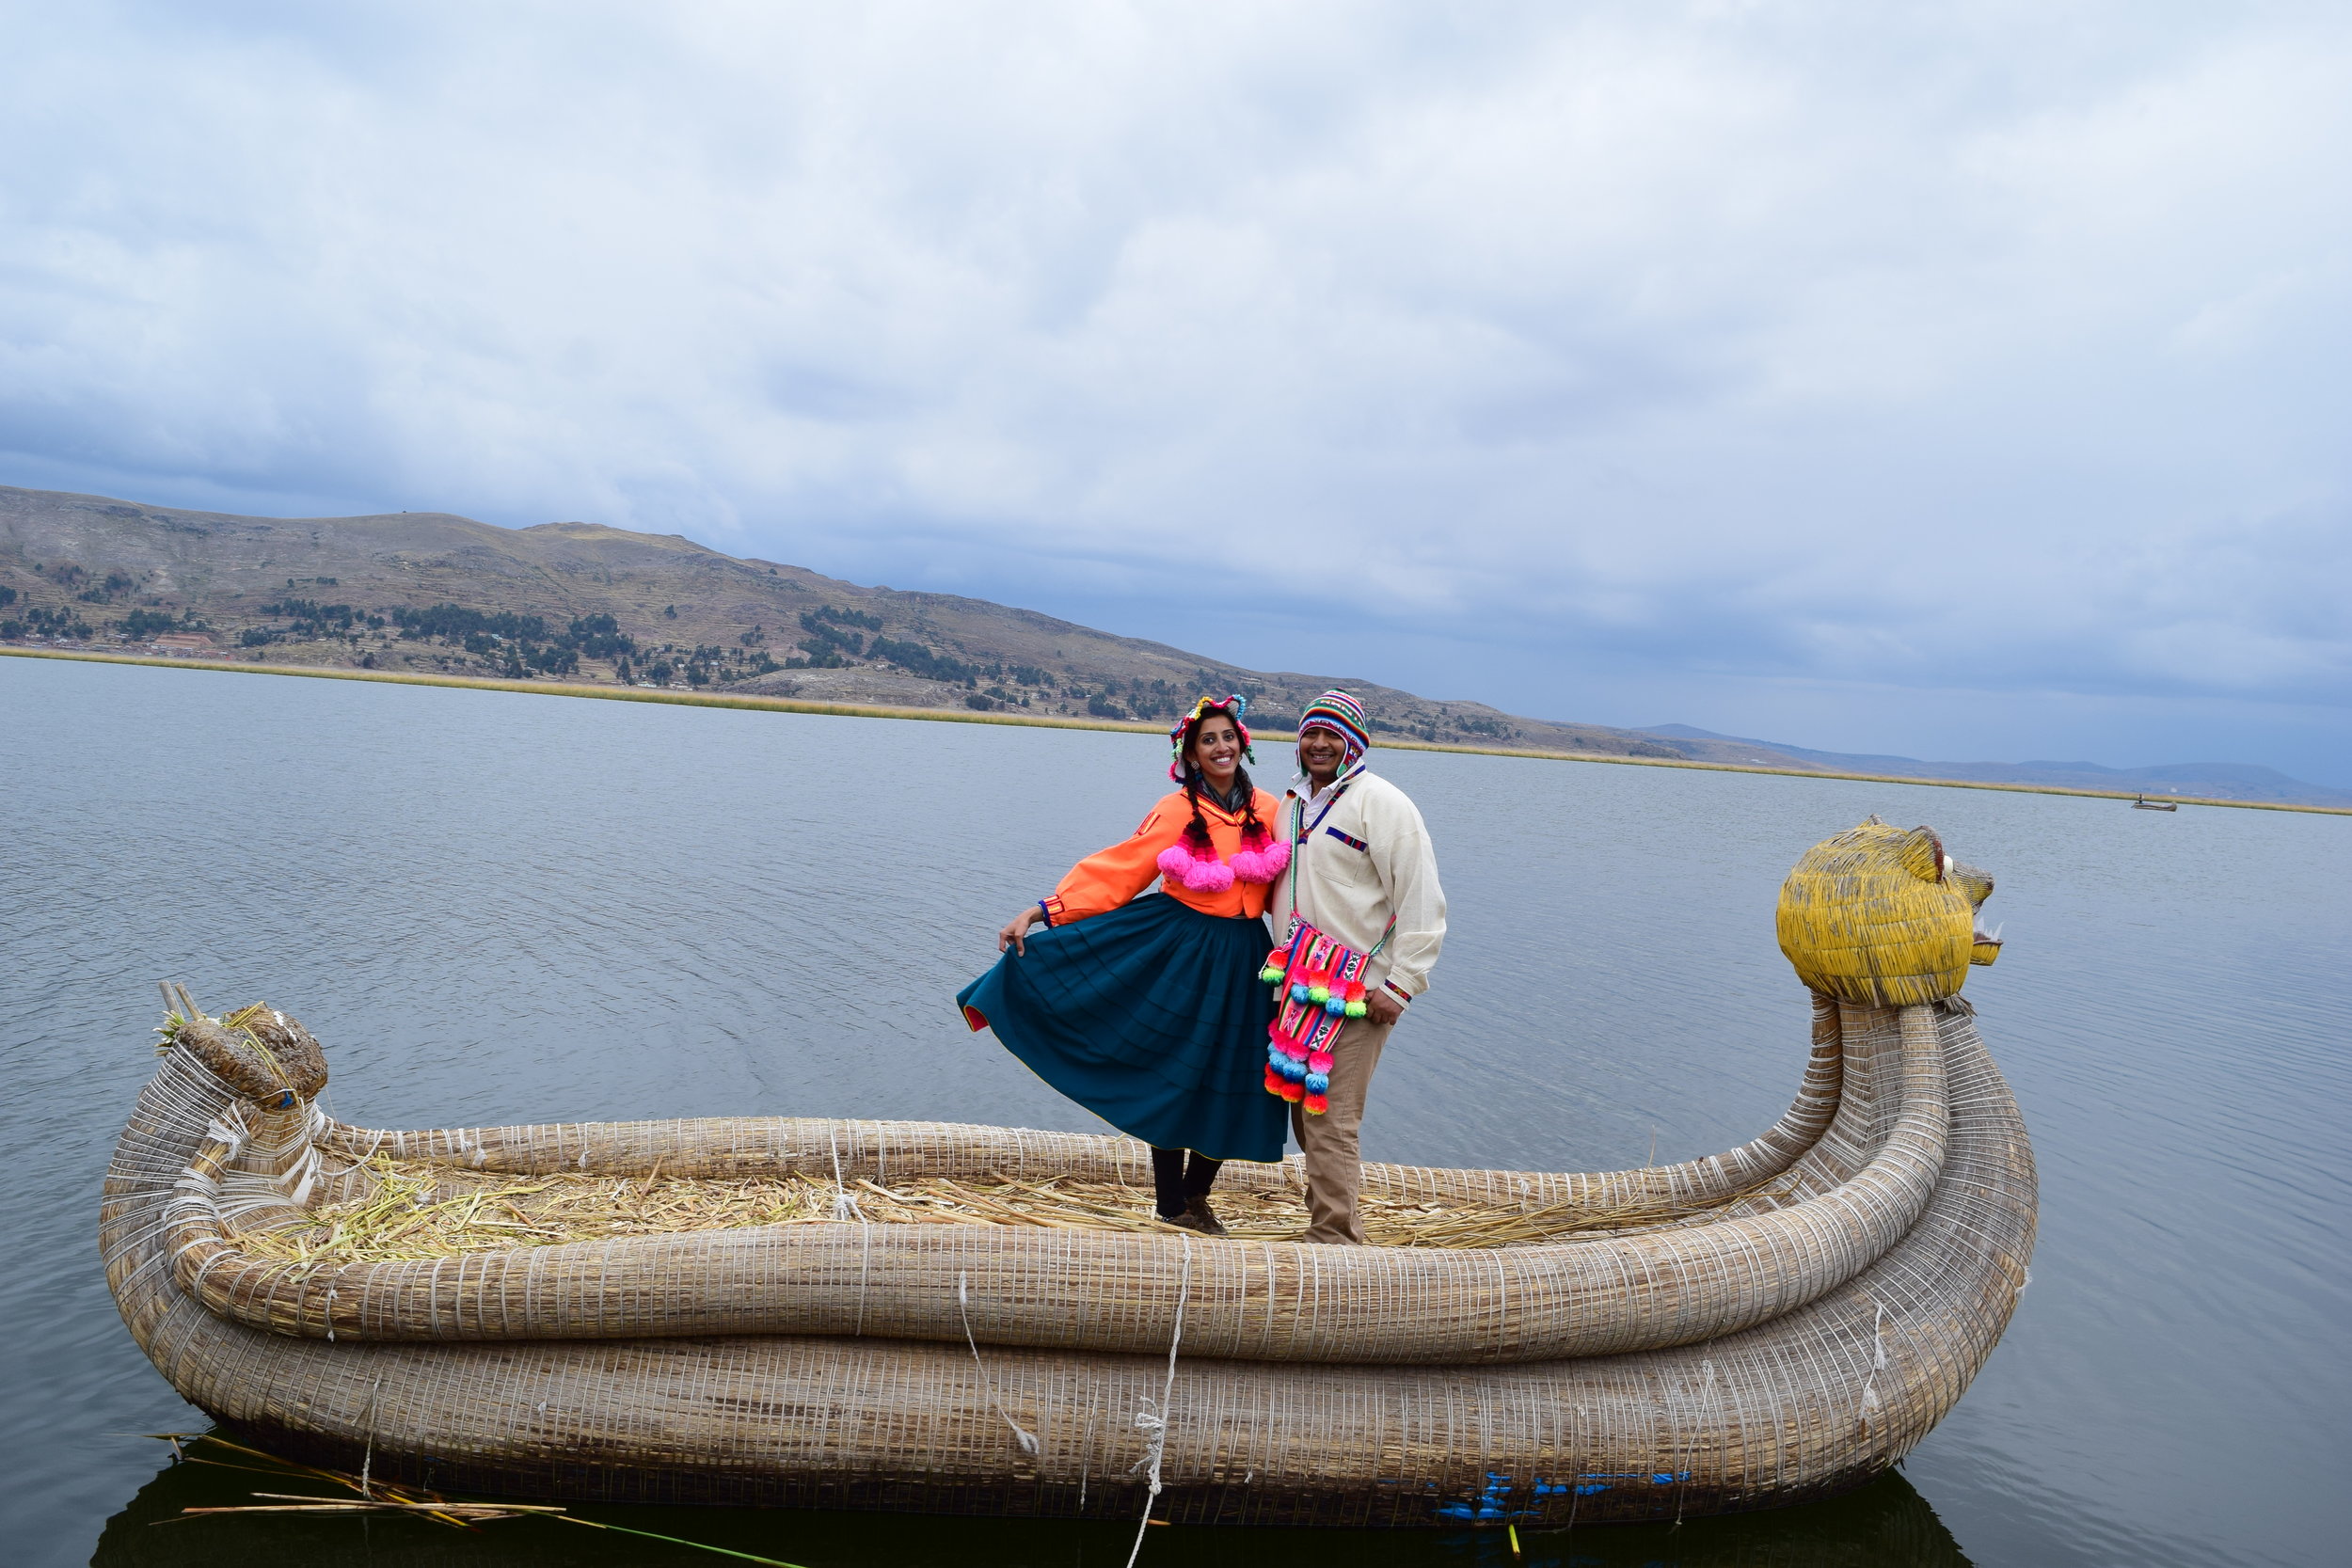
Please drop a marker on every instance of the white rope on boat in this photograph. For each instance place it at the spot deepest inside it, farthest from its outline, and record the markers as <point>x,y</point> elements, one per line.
<point>1878,1364</point>
<point>1086,1462</point>
<point>846,1208</point>
<point>1154,1425</point>
<point>1022,1434</point>
<point>367,1459</point>
<point>1690,1452</point>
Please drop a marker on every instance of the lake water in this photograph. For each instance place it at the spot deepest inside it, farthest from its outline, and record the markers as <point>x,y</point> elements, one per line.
<point>503,908</point>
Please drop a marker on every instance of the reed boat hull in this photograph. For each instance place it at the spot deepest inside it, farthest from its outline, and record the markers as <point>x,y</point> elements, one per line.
<point>1800,1402</point>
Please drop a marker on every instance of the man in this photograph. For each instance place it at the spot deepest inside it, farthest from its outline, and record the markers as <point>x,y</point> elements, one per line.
<point>1362,872</point>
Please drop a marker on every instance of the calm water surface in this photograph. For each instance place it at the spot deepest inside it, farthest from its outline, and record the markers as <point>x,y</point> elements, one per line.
<point>499,908</point>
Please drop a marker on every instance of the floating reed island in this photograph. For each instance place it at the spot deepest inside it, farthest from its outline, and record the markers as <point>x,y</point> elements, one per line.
<point>926,1316</point>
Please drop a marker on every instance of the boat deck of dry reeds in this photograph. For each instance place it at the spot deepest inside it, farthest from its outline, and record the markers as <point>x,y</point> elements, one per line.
<point>417,1210</point>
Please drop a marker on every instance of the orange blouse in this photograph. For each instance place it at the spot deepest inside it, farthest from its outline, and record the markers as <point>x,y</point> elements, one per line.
<point>1104,881</point>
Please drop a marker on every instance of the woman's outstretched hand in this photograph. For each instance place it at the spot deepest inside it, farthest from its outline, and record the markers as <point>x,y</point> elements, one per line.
<point>1016,928</point>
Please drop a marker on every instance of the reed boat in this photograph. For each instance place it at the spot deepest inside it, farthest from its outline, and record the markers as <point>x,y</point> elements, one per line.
<point>1775,1323</point>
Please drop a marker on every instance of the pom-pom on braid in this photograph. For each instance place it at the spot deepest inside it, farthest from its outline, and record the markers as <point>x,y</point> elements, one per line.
<point>1260,866</point>
<point>1202,874</point>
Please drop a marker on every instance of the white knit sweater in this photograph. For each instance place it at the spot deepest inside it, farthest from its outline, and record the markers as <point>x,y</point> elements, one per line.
<point>1366,859</point>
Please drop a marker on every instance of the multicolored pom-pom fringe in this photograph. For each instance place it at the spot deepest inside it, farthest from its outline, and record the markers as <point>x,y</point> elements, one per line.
<point>1320,985</point>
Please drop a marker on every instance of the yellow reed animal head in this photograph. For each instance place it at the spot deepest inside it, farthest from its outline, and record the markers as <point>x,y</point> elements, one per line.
<point>1883,917</point>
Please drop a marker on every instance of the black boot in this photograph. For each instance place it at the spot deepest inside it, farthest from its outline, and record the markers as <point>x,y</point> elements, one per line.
<point>1181,1195</point>
<point>1168,1182</point>
<point>1199,1177</point>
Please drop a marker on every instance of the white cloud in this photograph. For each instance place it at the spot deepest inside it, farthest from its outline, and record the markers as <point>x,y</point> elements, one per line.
<point>1663,345</point>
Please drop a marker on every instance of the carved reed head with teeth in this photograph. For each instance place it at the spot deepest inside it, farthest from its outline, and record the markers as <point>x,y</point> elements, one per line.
<point>1881,915</point>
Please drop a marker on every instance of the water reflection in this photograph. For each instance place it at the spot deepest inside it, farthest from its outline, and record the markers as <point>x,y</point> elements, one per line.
<point>1886,1525</point>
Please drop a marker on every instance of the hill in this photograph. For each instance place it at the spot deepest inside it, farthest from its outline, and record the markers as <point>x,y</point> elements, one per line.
<point>433,592</point>
<point>2225,781</point>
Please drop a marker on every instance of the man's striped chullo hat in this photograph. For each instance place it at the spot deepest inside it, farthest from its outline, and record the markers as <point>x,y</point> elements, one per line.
<point>1344,716</point>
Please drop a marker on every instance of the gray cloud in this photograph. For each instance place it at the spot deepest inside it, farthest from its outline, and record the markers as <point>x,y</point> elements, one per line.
<point>1760,362</point>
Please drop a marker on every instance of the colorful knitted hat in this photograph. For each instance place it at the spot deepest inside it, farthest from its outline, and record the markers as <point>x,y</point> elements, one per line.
<point>1235,705</point>
<point>1344,716</point>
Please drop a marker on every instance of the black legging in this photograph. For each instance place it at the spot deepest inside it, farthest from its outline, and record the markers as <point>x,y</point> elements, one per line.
<point>1175,1185</point>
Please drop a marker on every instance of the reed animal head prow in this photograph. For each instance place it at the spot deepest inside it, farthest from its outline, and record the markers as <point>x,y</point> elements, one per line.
<point>265,1056</point>
<point>1881,915</point>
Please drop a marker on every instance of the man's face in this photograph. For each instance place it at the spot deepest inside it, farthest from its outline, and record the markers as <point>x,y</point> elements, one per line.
<point>1320,753</point>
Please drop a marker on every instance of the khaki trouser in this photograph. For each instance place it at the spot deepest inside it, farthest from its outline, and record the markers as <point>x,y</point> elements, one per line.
<point>1335,1174</point>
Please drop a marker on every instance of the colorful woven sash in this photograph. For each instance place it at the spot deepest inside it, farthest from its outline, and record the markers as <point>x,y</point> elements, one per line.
<point>1319,984</point>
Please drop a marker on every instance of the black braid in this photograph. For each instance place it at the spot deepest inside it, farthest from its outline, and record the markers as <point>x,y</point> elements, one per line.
<point>1252,831</point>
<point>1197,830</point>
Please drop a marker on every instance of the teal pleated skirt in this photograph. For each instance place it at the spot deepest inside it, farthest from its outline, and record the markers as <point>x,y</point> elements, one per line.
<point>1153,1016</point>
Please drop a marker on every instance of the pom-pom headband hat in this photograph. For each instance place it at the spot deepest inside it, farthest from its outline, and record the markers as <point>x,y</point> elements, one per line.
<point>1344,716</point>
<point>1181,731</point>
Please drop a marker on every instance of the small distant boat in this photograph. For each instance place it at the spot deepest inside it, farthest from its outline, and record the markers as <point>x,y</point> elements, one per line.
<point>1825,1296</point>
<point>2144,804</point>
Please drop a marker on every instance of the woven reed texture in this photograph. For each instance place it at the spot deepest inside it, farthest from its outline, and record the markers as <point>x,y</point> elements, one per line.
<point>1825,1388</point>
<point>1273,1301</point>
<point>1882,916</point>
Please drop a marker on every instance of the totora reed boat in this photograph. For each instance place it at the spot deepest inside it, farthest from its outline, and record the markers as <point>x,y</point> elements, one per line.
<point>950,1322</point>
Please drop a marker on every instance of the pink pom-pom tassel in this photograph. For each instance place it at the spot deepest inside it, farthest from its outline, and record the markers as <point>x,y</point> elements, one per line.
<point>1176,861</point>
<point>1209,877</point>
<point>1276,858</point>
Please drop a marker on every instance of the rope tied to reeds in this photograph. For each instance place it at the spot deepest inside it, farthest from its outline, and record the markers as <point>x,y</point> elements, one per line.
<point>1154,1424</point>
<point>1690,1448</point>
<point>846,1208</point>
<point>1022,1434</point>
<point>1869,1401</point>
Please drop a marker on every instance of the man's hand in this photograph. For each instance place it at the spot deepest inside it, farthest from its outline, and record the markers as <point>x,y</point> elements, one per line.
<point>1381,1007</point>
<point>1017,927</point>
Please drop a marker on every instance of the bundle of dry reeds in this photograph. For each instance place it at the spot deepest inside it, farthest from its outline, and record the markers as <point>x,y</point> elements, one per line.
<point>417,1210</point>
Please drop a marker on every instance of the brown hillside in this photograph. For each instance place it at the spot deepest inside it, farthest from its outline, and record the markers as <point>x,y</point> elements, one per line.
<point>331,591</point>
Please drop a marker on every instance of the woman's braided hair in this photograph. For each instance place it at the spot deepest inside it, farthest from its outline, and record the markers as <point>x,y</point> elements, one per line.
<point>1253,833</point>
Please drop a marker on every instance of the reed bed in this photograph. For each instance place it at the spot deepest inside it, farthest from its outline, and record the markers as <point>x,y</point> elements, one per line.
<point>416,1211</point>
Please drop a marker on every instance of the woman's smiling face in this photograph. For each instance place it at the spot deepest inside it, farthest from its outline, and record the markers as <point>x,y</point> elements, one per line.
<point>1217,749</point>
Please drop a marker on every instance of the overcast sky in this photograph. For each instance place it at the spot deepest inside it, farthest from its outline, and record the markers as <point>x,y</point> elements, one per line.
<point>1967,381</point>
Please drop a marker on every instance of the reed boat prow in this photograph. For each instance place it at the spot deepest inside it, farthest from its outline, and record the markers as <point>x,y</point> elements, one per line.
<point>1776,1321</point>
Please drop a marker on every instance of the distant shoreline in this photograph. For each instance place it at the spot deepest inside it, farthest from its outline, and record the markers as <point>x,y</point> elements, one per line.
<point>951,715</point>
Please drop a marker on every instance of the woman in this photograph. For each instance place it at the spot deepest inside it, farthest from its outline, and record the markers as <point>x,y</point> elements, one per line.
<point>1148,1010</point>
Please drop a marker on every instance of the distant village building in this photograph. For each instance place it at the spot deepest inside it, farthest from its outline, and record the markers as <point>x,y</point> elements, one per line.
<point>182,642</point>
